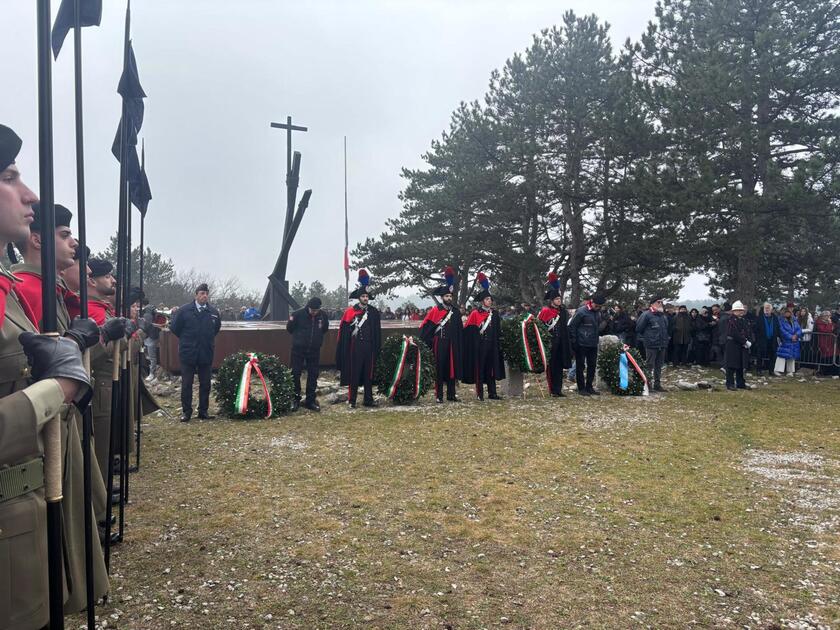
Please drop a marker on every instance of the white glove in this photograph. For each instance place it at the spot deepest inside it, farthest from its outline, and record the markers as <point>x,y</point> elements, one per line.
<point>748,344</point>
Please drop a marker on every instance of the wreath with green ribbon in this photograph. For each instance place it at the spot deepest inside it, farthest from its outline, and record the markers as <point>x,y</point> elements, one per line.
<point>609,369</point>
<point>235,394</point>
<point>397,375</point>
<point>526,343</point>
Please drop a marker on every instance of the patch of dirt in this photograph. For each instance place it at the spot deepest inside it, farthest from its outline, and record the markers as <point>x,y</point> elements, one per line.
<point>808,482</point>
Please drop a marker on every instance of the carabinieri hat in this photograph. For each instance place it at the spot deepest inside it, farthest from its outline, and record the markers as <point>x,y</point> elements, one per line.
<point>449,278</point>
<point>554,282</point>
<point>484,282</point>
<point>10,145</point>
<point>362,289</point>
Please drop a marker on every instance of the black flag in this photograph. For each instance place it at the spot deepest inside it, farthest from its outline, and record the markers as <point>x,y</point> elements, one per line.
<point>140,193</point>
<point>129,86</point>
<point>90,14</point>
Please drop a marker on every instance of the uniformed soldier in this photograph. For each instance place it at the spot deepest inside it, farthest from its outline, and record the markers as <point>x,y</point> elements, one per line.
<point>554,317</point>
<point>359,342</point>
<point>443,332</point>
<point>102,285</point>
<point>483,361</point>
<point>307,327</point>
<point>24,410</point>
<point>73,504</point>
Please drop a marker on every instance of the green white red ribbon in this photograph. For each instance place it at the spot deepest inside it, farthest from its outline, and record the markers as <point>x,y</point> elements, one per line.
<point>244,389</point>
<point>408,342</point>
<point>530,319</point>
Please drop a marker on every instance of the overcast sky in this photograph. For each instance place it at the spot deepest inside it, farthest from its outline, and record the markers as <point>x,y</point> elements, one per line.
<point>387,74</point>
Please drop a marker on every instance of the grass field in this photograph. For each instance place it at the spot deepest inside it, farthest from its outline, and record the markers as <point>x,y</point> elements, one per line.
<point>706,509</point>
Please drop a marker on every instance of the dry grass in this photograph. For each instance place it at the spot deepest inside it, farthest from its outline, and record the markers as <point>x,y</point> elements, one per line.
<point>619,513</point>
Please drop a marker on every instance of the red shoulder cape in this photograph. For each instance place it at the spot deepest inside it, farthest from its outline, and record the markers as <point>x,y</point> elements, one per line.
<point>477,317</point>
<point>547,314</point>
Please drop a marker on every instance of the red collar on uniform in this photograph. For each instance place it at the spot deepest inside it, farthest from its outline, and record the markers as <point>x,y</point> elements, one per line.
<point>477,317</point>
<point>435,315</point>
<point>547,314</point>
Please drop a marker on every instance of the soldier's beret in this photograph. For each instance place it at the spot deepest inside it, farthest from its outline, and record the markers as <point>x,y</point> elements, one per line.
<point>63,217</point>
<point>99,267</point>
<point>10,145</point>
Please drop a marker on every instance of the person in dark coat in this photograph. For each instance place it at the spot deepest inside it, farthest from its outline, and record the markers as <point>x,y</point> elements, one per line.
<point>483,361</point>
<point>555,319</point>
<point>739,339</point>
<point>359,342</point>
<point>766,335</point>
<point>652,328</point>
<point>700,336</point>
<point>720,319</point>
<point>584,329</point>
<point>196,325</point>
<point>622,326</point>
<point>308,327</point>
<point>442,331</point>
<point>682,329</point>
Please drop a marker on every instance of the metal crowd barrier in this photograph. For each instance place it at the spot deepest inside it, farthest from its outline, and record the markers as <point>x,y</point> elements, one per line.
<point>821,350</point>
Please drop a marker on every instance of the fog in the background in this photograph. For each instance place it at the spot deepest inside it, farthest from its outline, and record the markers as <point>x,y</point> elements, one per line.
<point>386,74</point>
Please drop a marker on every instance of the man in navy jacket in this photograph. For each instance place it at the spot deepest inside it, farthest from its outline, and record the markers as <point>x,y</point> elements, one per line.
<point>196,325</point>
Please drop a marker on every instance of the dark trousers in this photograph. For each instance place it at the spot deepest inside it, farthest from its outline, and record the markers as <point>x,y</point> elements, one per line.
<point>680,353</point>
<point>188,373</point>
<point>556,371</point>
<point>444,359</point>
<point>362,374</point>
<point>450,388</point>
<point>765,361</point>
<point>309,359</point>
<point>655,360</point>
<point>735,378</point>
<point>486,373</point>
<point>718,351</point>
<point>585,357</point>
<point>701,352</point>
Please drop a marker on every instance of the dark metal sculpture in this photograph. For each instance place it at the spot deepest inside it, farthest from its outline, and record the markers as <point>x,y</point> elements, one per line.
<point>277,299</point>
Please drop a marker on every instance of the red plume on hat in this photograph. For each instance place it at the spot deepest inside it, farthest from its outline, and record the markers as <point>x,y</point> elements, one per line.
<point>364,277</point>
<point>553,281</point>
<point>482,281</point>
<point>449,275</point>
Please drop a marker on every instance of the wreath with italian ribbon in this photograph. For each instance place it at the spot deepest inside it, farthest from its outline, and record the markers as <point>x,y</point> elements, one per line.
<point>405,369</point>
<point>623,370</point>
<point>239,398</point>
<point>526,343</point>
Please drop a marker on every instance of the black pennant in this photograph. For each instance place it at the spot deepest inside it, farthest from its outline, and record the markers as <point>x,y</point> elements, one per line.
<point>90,14</point>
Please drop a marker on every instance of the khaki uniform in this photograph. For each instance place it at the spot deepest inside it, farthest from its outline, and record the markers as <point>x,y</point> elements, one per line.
<point>102,371</point>
<point>24,593</point>
<point>73,504</point>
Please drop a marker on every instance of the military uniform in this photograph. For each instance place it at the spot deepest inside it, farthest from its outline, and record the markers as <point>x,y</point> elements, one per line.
<point>443,333</point>
<point>555,320</point>
<point>359,342</point>
<point>23,526</point>
<point>483,361</point>
<point>73,504</point>
<point>307,332</point>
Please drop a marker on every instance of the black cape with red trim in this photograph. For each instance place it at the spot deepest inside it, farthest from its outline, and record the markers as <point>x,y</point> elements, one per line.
<point>561,347</point>
<point>346,351</point>
<point>475,343</point>
<point>453,340</point>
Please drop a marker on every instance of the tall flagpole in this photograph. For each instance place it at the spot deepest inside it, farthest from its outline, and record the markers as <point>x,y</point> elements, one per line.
<point>87,417</point>
<point>346,231</point>
<point>52,435</point>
